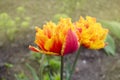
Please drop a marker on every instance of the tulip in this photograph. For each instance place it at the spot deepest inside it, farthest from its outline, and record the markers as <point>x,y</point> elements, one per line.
<point>60,39</point>
<point>93,35</point>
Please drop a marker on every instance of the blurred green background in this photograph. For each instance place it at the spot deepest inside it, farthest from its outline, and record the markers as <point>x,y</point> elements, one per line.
<point>26,14</point>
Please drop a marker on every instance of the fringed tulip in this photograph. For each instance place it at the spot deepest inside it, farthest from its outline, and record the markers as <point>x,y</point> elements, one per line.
<point>60,39</point>
<point>93,34</point>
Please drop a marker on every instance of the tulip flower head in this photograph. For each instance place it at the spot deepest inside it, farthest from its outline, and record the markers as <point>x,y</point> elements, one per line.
<point>60,39</point>
<point>93,35</point>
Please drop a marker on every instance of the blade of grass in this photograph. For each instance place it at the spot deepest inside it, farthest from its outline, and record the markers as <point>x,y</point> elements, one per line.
<point>33,72</point>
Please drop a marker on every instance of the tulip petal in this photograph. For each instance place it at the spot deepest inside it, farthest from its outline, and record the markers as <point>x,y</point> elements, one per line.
<point>71,43</point>
<point>49,53</point>
<point>41,51</point>
<point>33,48</point>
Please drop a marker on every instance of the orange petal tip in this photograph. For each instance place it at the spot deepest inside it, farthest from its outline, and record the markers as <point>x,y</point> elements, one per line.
<point>33,48</point>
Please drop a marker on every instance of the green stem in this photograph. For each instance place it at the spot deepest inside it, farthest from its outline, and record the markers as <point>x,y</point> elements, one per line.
<point>41,67</point>
<point>74,64</point>
<point>50,73</point>
<point>62,65</point>
<point>68,68</point>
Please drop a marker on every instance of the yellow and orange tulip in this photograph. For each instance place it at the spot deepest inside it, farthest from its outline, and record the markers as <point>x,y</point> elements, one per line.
<point>93,35</point>
<point>60,39</point>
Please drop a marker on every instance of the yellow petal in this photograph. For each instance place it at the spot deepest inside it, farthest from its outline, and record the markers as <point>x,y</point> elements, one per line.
<point>48,44</point>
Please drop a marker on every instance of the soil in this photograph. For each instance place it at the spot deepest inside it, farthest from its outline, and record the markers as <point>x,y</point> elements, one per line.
<point>95,65</point>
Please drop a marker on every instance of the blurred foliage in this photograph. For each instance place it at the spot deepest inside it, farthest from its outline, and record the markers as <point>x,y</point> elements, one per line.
<point>7,25</point>
<point>35,56</point>
<point>69,6</point>
<point>9,65</point>
<point>110,48</point>
<point>11,25</point>
<point>57,17</point>
<point>113,26</point>
<point>34,74</point>
<point>2,79</point>
<point>54,64</point>
<point>114,30</point>
<point>20,9</point>
<point>56,76</point>
<point>50,67</point>
<point>21,76</point>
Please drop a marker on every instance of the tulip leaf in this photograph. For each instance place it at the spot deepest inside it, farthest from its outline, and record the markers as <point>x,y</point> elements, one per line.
<point>110,48</point>
<point>113,26</point>
<point>33,72</point>
<point>21,76</point>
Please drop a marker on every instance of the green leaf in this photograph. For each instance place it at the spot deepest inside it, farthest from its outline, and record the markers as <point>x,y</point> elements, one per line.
<point>21,76</point>
<point>110,48</point>
<point>9,65</point>
<point>25,24</point>
<point>113,26</point>
<point>33,72</point>
<point>46,77</point>
<point>55,64</point>
<point>16,76</point>
<point>56,76</point>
